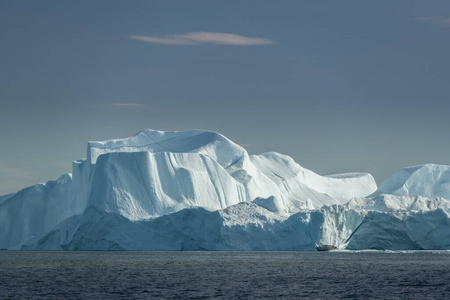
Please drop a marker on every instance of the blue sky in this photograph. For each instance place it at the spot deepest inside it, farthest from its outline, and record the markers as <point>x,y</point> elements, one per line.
<point>340,86</point>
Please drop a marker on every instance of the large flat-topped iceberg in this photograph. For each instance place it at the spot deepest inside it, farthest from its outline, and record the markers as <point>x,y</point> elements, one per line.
<point>197,190</point>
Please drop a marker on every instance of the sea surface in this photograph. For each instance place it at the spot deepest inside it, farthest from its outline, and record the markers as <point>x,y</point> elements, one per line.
<point>224,275</point>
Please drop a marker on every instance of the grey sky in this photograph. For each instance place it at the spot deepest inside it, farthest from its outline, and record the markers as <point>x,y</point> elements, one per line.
<point>340,86</point>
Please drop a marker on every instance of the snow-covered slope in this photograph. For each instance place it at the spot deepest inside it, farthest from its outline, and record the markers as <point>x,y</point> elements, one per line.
<point>425,180</point>
<point>297,183</point>
<point>197,190</point>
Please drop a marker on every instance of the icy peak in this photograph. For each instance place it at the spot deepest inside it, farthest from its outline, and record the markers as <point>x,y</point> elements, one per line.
<point>209,143</point>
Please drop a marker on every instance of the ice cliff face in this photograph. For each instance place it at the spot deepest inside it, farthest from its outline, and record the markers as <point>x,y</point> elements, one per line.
<point>197,190</point>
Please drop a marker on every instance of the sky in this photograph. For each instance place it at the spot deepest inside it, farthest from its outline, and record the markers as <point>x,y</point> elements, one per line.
<point>340,86</point>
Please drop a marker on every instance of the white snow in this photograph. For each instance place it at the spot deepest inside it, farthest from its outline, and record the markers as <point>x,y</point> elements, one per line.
<point>428,181</point>
<point>197,190</point>
<point>211,144</point>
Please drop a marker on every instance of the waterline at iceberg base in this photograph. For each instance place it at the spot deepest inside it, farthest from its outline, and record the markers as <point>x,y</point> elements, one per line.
<point>197,190</point>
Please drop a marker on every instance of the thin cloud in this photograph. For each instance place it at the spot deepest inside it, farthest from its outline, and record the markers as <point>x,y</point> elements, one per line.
<point>436,21</point>
<point>197,38</point>
<point>127,104</point>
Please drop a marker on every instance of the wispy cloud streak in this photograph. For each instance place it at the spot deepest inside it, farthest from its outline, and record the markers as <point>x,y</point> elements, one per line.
<point>197,38</point>
<point>436,21</point>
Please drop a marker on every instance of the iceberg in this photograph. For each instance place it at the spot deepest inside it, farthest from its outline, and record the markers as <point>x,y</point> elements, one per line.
<point>197,190</point>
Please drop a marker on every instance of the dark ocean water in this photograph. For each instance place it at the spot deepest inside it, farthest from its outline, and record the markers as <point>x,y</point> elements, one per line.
<point>224,275</point>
